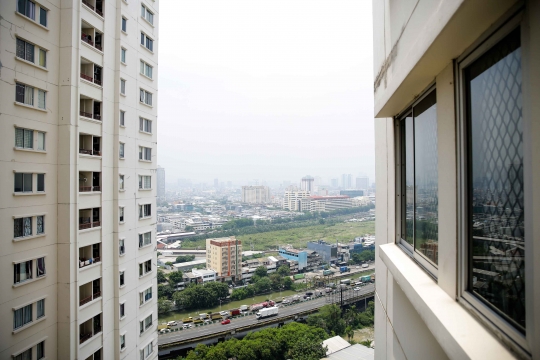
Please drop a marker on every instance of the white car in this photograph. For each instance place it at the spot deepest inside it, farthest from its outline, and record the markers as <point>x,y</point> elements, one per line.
<point>365,265</point>
<point>286,301</point>
<point>207,321</point>
<point>187,326</point>
<point>356,289</point>
<point>164,331</point>
<point>172,323</point>
<point>224,313</point>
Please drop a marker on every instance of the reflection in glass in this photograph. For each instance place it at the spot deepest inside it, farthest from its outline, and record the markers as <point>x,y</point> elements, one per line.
<point>496,220</point>
<point>409,179</point>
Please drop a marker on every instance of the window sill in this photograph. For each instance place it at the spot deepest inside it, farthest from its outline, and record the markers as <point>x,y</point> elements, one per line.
<point>122,190</point>
<point>89,230</point>
<point>32,21</point>
<point>123,32</point>
<point>29,150</point>
<point>91,47</point>
<point>145,246</point>
<point>29,281</point>
<point>122,286</point>
<point>122,254</point>
<point>122,126</point>
<point>123,63</point>
<point>124,95</point>
<point>145,132</point>
<point>145,303</point>
<point>31,63</point>
<point>147,49</point>
<point>121,158</point>
<point>26,326</point>
<point>91,120</point>
<point>145,217</point>
<point>29,193</point>
<point>146,76</point>
<point>22,238</point>
<point>29,106</point>
<point>145,189</point>
<point>148,22</point>
<point>452,326</point>
<point>91,83</point>
<point>147,161</point>
<point>89,192</point>
<point>90,156</point>
<point>122,349</point>
<point>145,104</point>
<point>122,317</point>
<point>93,265</point>
<point>145,275</point>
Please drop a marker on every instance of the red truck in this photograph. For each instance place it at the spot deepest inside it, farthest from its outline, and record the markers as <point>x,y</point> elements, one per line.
<point>235,312</point>
<point>262,305</point>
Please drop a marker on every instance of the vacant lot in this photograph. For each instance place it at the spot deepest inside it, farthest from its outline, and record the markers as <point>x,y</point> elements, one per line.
<point>342,232</point>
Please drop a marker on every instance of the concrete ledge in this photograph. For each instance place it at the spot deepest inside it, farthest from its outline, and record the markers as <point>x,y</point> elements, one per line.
<point>460,334</point>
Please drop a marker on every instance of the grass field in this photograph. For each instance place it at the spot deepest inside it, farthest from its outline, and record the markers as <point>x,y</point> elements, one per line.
<point>342,232</point>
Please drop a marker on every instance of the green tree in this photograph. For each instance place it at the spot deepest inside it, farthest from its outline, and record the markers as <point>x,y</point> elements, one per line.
<point>184,258</point>
<point>329,318</point>
<point>164,305</point>
<point>261,271</point>
<point>262,285</point>
<point>189,228</point>
<point>307,349</point>
<point>175,277</point>
<point>287,283</point>
<point>161,277</point>
<point>284,270</point>
<point>165,291</point>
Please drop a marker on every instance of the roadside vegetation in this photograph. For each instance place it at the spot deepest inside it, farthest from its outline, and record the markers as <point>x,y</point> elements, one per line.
<point>261,282</point>
<point>335,321</point>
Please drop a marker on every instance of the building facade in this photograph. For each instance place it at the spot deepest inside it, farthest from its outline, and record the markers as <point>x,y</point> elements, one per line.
<point>362,182</point>
<point>307,183</point>
<point>291,199</point>
<point>224,256</point>
<point>255,194</point>
<point>328,252</point>
<point>457,94</point>
<point>160,182</point>
<point>79,113</point>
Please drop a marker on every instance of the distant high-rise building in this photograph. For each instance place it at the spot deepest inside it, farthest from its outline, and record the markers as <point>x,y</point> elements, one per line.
<point>362,182</point>
<point>334,183</point>
<point>255,194</point>
<point>346,181</point>
<point>224,256</point>
<point>216,183</point>
<point>307,183</point>
<point>160,182</point>
<point>291,199</point>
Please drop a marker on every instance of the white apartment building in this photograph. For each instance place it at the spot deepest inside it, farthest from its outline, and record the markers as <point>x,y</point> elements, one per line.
<point>77,213</point>
<point>457,103</point>
<point>291,199</point>
<point>255,194</point>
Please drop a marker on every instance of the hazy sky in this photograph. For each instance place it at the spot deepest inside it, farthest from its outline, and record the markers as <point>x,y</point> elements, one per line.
<point>269,90</point>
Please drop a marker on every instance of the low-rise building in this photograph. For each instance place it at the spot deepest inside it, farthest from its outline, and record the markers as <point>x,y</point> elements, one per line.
<point>204,274</point>
<point>188,265</point>
<point>293,254</point>
<point>224,256</point>
<point>328,252</point>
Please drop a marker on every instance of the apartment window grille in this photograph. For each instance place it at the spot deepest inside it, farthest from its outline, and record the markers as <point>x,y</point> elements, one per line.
<point>122,342</point>
<point>27,8</point>
<point>122,283</point>
<point>22,316</point>
<point>122,118</point>
<point>417,165</point>
<point>23,182</point>
<point>40,271</point>
<point>145,296</point>
<point>148,349</point>
<point>24,94</point>
<point>25,355</point>
<point>145,125</point>
<point>145,153</point>
<point>123,55</point>
<point>124,24</point>
<point>145,267</point>
<point>40,308</point>
<point>121,247</point>
<point>22,271</point>
<point>145,97</point>
<point>122,86</point>
<point>22,227</point>
<point>147,14</point>
<point>121,182</point>
<point>25,50</point>
<point>41,140</point>
<point>494,193</point>
<point>145,181</point>
<point>43,16</point>
<point>121,150</point>
<point>40,349</point>
<point>24,138</point>
<point>146,69</point>
<point>40,182</point>
<point>147,42</point>
<point>122,310</point>
<point>145,210</point>
<point>145,324</point>
<point>40,224</point>
<point>121,214</point>
<point>145,239</point>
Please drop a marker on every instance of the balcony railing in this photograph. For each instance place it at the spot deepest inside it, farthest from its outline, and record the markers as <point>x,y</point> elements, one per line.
<point>98,47</point>
<point>85,151</point>
<point>97,82</point>
<point>86,300</point>
<point>85,114</point>
<point>84,263</point>
<point>85,337</point>
<point>86,39</point>
<point>89,224</point>
<point>97,117</point>
<point>86,77</point>
<point>88,4</point>
<point>99,12</point>
<point>85,188</point>
<point>96,188</point>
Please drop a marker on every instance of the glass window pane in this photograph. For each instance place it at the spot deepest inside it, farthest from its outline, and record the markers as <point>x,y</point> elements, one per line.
<point>40,182</point>
<point>28,139</point>
<point>41,140</point>
<point>41,99</point>
<point>408,128</point>
<point>21,48</point>
<point>27,182</point>
<point>42,16</point>
<point>143,10</point>
<point>42,58</point>
<point>19,137</point>
<point>19,93</point>
<point>496,223</point>
<point>40,306</point>
<point>29,95</point>
<point>40,225</point>
<point>40,350</point>
<point>29,54</point>
<point>40,267</point>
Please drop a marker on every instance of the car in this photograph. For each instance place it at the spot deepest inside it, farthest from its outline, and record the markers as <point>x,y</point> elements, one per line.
<point>187,326</point>
<point>365,265</point>
<point>225,322</point>
<point>164,331</point>
<point>286,301</point>
<point>224,313</point>
<point>207,321</point>
<point>356,289</point>
<point>358,267</point>
<point>307,298</point>
<point>172,323</point>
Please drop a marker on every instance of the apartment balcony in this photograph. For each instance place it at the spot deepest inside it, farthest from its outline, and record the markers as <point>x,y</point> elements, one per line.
<point>89,328</point>
<point>89,145</point>
<point>89,255</point>
<point>89,181</point>
<point>89,218</point>
<point>91,36</point>
<point>90,108</point>
<point>91,72</point>
<point>95,5</point>
<point>89,292</point>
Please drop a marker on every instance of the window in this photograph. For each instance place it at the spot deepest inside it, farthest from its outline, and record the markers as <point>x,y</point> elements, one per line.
<point>24,94</point>
<point>121,182</point>
<point>25,50</point>
<point>147,14</point>
<point>145,210</point>
<point>146,69</point>
<point>145,296</point>
<point>419,181</point>
<point>124,24</point>
<point>145,324</point>
<point>122,86</point>
<point>43,16</point>
<point>146,351</point>
<point>23,182</point>
<point>40,348</point>
<point>145,97</point>
<point>123,55</point>
<point>145,153</point>
<point>22,317</point>
<point>122,310</point>
<point>40,308</point>
<point>25,355</point>
<point>145,125</point>
<point>145,182</point>
<point>24,138</point>
<point>121,213</point>
<point>42,58</point>
<point>27,8</point>
<point>40,224</point>
<point>121,248</point>
<point>121,149</point>
<point>122,118</point>
<point>494,192</point>
<point>122,342</point>
<point>145,267</point>
<point>41,99</point>
<point>41,182</point>
<point>22,227</point>
<point>22,272</point>
<point>40,267</point>
<point>122,283</point>
<point>41,140</point>
<point>145,239</point>
<point>147,42</point>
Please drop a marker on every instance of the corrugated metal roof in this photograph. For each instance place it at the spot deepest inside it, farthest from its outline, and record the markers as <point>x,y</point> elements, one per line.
<point>335,343</point>
<point>354,352</point>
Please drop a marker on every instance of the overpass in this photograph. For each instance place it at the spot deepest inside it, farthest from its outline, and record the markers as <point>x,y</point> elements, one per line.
<point>180,341</point>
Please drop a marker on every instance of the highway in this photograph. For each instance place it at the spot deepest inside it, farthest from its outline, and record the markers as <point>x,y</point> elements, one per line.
<point>201,331</point>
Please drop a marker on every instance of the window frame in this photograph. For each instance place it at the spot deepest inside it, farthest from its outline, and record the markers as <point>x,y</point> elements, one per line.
<point>122,86</point>
<point>144,125</point>
<point>144,9</point>
<point>145,40</point>
<point>123,24</point>
<point>146,97</point>
<point>123,55</point>
<point>122,150</point>
<point>142,239</point>
<point>142,182</point>
<point>24,175</point>
<point>489,317</point>
<point>143,69</point>
<point>122,119</point>
<point>144,151</point>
